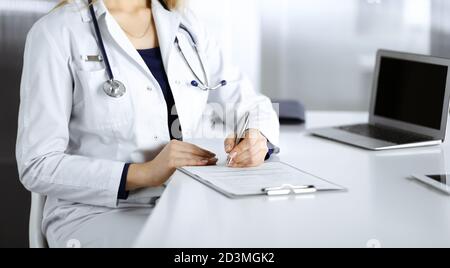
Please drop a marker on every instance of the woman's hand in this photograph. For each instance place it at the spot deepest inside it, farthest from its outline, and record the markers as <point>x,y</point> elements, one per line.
<point>251,152</point>
<point>175,155</point>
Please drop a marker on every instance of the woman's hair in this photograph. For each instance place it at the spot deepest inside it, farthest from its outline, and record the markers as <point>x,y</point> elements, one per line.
<point>169,4</point>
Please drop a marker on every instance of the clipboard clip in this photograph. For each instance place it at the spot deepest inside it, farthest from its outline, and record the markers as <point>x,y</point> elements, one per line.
<point>287,189</point>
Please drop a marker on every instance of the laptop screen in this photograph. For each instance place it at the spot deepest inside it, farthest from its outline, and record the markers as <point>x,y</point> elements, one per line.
<point>411,92</point>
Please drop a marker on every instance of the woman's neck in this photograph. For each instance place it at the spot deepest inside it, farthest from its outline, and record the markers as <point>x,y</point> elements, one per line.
<point>136,19</point>
<point>127,5</point>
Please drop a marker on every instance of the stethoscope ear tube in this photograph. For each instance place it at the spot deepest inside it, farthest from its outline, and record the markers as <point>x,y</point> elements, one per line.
<point>198,83</point>
<point>222,83</point>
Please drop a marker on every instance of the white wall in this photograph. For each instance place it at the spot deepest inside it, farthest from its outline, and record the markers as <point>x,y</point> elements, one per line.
<point>236,25</point>
<point>440,38</point>
<point>323,53</point>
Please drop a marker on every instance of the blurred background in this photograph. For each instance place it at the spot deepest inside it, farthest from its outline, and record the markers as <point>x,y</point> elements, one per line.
<point>319,52</point>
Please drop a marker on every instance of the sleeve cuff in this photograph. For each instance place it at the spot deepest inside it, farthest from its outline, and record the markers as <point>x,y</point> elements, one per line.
<point>123,194</point>
<point>272,150</point>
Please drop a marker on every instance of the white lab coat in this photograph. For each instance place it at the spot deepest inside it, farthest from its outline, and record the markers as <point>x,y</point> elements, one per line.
<point>74,140</point>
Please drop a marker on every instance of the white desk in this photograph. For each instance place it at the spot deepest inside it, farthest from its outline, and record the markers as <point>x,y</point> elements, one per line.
<point>381,205</point>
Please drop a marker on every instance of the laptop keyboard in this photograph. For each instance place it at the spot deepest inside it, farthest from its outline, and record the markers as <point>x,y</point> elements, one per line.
<point>386,134</point>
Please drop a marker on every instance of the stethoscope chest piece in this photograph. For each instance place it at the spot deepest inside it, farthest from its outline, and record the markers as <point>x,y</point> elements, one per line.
<point>114,88</point>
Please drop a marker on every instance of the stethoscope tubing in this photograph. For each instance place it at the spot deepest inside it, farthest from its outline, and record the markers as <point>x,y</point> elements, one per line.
<point>100,42</point>
<point>186,61</point>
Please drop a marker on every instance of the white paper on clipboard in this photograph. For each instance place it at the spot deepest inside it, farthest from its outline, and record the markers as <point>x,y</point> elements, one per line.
<point>244,182</point>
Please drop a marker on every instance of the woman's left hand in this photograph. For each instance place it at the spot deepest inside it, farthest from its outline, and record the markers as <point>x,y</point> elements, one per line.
<point>251,152</point>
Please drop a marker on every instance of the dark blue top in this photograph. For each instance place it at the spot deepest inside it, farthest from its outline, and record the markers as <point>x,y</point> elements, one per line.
<point>153,58</point>
<point>154,61</point>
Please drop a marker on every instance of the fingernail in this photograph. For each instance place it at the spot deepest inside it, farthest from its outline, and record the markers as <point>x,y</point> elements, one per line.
<point>233,155</point>
<point>205,161</point>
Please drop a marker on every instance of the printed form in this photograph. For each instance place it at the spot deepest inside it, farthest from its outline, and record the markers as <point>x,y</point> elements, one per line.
<point>242,182</point>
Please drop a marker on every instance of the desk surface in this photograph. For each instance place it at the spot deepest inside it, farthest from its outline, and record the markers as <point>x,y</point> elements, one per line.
<point>383,205</point>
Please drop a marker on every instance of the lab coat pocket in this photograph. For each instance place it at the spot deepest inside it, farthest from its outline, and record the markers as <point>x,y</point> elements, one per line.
<point>96,110</point>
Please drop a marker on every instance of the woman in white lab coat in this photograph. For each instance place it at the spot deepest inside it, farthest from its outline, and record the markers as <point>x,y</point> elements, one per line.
<point>103,161</point>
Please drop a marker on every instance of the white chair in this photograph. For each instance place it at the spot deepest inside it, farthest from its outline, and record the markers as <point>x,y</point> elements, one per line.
<point>37,238</point>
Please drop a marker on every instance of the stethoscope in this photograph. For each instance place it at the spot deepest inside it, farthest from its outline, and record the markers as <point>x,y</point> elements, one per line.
<point>116,89</point>
<point>197,83</point>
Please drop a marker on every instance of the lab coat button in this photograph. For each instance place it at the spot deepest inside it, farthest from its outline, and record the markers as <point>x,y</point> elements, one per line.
<point>156,138</point>
<point>149,88</point>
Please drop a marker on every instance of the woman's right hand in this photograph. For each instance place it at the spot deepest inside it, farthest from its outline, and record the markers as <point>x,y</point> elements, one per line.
<point>175,155</point>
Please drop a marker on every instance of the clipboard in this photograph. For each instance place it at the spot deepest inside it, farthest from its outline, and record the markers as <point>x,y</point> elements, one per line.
<point>270,179</point>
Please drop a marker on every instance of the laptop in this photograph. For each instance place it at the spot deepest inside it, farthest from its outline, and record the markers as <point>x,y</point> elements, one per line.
<point>409,107</point>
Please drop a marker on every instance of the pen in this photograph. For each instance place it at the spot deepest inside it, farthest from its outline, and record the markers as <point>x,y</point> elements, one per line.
<point>240,136</point>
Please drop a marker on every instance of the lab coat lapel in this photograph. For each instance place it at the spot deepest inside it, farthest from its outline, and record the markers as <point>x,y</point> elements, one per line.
<point>83,8</point>
<point>120,38</point>
<point>167,25</point>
